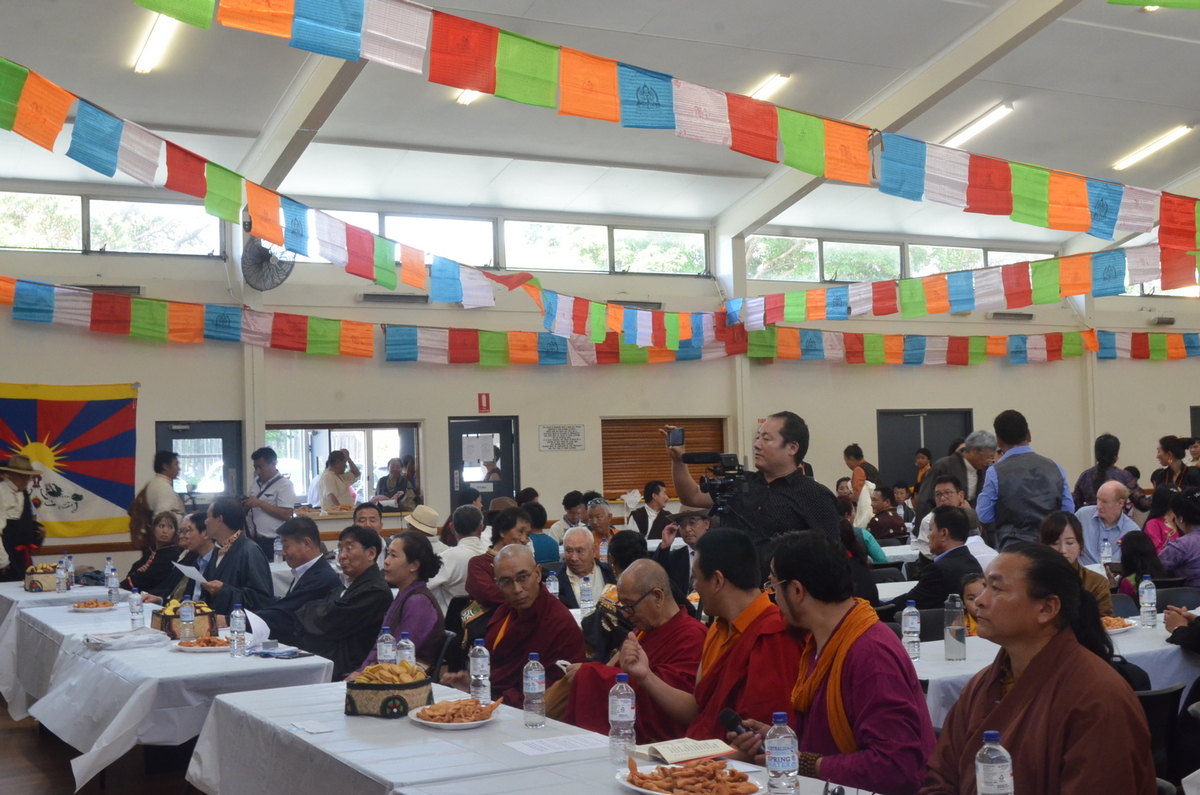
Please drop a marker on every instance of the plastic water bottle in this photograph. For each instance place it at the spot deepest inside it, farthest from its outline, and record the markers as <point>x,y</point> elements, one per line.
<point>552,583</point>
<point>111,582</point>
<point>910,625</point>
<point>406,649</point>
<point>60,576</point>
<point>136,618</point>
<point>481,673</point>
<point>187,620</point>
<point>237,632</point>
<point>783,763</point>
<point>604,550</point>
<point>278,549</point>
<point>385,647</point>
<point>1148,596</point>
<point>70,572</point>
<point>587,597</point>
<point>993,767</point>
<point>622,707</point>
<point>955,629</point>
<point>1106,551</point>
<point>535,693</point>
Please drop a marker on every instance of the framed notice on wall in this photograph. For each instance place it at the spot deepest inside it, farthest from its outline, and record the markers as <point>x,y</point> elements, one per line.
<point>560,438</point>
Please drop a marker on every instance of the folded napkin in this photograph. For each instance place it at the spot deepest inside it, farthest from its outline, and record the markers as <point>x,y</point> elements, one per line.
<point>142,638</point>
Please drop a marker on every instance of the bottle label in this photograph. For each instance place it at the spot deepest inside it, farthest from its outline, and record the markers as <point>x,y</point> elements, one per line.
<point>481,666</point>
<point>535,682</point>
<point>238,624</point>
<point>781,755</point>
<point>994,779</point>
<point>621,710</point>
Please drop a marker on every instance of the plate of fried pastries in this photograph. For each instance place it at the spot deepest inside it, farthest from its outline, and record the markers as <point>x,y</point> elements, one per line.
<point>465,713</point>
<point>699,777</point>
<point>205,645</point>
<point>93,606</point>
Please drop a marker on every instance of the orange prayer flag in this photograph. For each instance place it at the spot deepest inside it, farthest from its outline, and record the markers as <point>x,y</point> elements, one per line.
<point>1069,205</point>
<point>1090,341</point>
<point>1176,348</point>
<point>787,342</point>
<point>357,339</point>
<point>659,355</point>
<point>847,152</point>
<point>588,86</point>
<point>42,110</point>
<point>534,292</point>
<point>893,349</point>
<point>263,205</point>
<point>412,266</point>
<point>8,290</point>
<point>185,322</point>
<point>937,294</point>
<point>272,17</point>
<point>616,318</point>
<point>997,346</point>
<point>1075,275</point>
<point>522,347</point>
<point>814,304</point>
<point>685,326</point>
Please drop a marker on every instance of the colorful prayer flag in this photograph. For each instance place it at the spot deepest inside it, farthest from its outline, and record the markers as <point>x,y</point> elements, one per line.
<point>333,29</point>
<point>1069,202</point>
<point>462,346</point>
<point>399,344</point>
<point>1104,203</point>
<point>95,139</point>
<point>223,323</point>
<point>139,153</point>
<point>588,86</point>
<point>384,264</point>
<point>295,225</point>
<point>360,253</point>
<point>185,172</point>
<point>12,83</point>
<point>937,294</point>
<point>223,198</point>
<point>647,98</point>
<point>754,127</point>
<point>1030,194</point>
<point>197,13</point>
<point>1045,279</point>
<point>148,319</point>
<point>947,175</point>
<point>33,302</point>
<point>395,33</point>
<point>902,167</point>
<point>884,298</point>
<point>912,299</point>
<point>42,110</point>
<point>989,190</point>
<point>847,152</point>
<point>1139,209</point>
<point>270,17</point>
<point>526,70</point>
<point>331,238</point>
<point>1177,222</point>
<point>1017,288</point>
<point>324,336</point>
<point>185,323</point>
<point>357,339</point>
<point>462,53</point>
<point>1075,275</point>
<point>960,287</point>
<point>445,282</point>
<point>803,138</point>
<point>701,114</point>
<point>1108,273</point>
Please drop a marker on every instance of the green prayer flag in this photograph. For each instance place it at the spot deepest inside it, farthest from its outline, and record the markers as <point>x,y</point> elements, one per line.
<point>1046,286</point>
<point>224,197</point>
<point>194,12</point>
<point>324,336</point>
<point>912,298</point>
<point>762,344</point>
<point>671,322</point>
<point>873,349</point>
<point>526,70</point>
<point>978,350</point>
<point>795,306</point>
<point>1072,344</point>
<point>598,322</point>
<point>1031,194</point>
<point>1158,346</point>
<point>385,262</point>
<point>803,139</point>
<point>632,354</point>
<point>148,319</point>
<point>493,348</point>
<point>12,83</point>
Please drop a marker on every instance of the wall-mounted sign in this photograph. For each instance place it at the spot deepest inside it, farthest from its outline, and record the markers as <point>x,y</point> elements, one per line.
<point>559,438</point>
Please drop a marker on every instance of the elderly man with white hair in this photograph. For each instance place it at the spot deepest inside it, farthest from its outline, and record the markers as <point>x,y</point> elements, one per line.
<point>1104,521</point>
<point>580,561</point>
<point>968,464</point>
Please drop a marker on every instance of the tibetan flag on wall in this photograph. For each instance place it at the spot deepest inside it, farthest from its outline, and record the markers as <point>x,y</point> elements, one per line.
<point>462,53</point>
<point>395,32</point>
<point>803,139</point>
<point>526,70</point>
<point>270,17</point>
<point>82,440</point>
<point>902,167</point>
<point>754,126</point>
<point>42,111</point>
<point>647,98</point>
<point>588,86</point>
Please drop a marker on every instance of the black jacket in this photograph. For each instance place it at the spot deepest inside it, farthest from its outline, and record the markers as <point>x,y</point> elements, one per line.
<point>317,583</point>
<point>245,577</point>
<point>343,627</point>
<point>940,579</point>
<point>954,465</point>
<point>566,594</point>
<point>678,564</point>
<point>640,517</point>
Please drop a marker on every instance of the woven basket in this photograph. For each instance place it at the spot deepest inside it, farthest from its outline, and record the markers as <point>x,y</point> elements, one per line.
<point>388,701</point>
<point>39,583</point>
<point>206,624</point>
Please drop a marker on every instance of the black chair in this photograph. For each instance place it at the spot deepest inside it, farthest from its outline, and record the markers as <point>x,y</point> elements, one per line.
<point>1124,606</point>
<point>1165,787</point>
<point>1178,597</point>
<point>894,627</point>
<point>1162,712</point>
<point>436,670</point>
<point>924,685</point>
<point>888,574</point>
<point>1168,582</point>
<point>933,623</point>
<point>890,542</point>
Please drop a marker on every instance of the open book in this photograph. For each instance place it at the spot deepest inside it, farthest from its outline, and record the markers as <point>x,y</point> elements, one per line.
<point>675,751</point>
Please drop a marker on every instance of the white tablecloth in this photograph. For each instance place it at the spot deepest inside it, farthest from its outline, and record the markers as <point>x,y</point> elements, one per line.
<point>890,590</point>
<point>906,553</point>
<point>281,578</point>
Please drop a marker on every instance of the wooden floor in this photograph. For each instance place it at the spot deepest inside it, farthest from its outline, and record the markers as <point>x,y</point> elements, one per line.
<point>34,762</point>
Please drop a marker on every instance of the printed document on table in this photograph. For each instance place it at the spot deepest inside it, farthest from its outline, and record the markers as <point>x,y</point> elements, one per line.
<point>554,745</point>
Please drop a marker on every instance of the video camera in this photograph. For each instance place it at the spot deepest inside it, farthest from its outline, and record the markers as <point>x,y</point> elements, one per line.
<point>728,479</point>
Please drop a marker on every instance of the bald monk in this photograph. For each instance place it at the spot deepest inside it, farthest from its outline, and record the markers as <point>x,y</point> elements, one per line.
<point>749,660</point>
<point>531,619</point>
<point>672,640</point>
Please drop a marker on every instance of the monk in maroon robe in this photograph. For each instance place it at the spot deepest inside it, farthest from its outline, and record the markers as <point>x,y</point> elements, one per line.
<point>672,640</point>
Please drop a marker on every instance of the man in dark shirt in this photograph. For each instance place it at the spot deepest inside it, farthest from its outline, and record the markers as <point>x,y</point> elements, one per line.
<point>778,497</point>
<point>887,523</point>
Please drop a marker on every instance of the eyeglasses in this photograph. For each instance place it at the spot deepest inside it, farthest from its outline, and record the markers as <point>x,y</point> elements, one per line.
<point>769,585</point>
<point>504,583</point>
<point>627,610</point>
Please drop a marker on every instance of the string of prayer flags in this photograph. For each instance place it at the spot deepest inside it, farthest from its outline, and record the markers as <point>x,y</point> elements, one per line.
<point>197,13</point>
<point>647,98</point>
<point>269,17</point>
<point>96,139</point>
<point>395,33</point>
<point>333,29</point>
<point>462,53</point>
<point>41,111</point>
<point>588,86</point>
<point>526,70</point>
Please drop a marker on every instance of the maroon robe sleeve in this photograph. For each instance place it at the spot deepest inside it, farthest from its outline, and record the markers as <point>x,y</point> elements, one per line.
<point>481,581</point>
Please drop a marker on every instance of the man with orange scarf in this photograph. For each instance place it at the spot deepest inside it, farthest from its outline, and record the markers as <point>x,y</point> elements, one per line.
<point>749,654</point>
<point>860,715</point>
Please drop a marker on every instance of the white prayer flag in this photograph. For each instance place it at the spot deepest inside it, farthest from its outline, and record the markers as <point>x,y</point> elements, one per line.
<point>701,114</point>
<point>947,172</point>
<point>139,153</point>
<point>396,33</point>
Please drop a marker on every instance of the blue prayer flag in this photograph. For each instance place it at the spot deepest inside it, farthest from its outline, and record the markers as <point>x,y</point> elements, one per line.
<point>812,345</point>
<point>329,27</point>
<point>222,323</point>
<point>647,98</point>
<point>96,139</point>
<point>33,301</point>
<point>1191,342</point>
<point>961,286</point>
<point>295,226</point>
<point>697,339</point>
<point>552,349</point>
<point>1108,273</point>
<point>689,351</point>
<point>1108,344</point>
<point>445,281</point>
<point>629,327</point>
<point>902,167</point>
<point>837,303</point>
<point>1104,200</point>
<point>400,343</point>
<point>914,349</point>
<point>549,309</point>
<point>733,311</point>
<point>1018,349</point>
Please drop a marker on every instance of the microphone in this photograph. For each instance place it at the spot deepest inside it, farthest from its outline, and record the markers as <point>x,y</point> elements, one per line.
<point>701,458</point>
<point>732,721</point>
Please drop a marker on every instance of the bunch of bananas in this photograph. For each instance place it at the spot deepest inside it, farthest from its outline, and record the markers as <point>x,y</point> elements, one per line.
<point>41,568</point>
<point>171,608</point>
<point>388,674</point>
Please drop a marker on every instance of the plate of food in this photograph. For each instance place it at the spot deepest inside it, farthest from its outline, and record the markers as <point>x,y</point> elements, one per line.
<point>93,606</point>
<point>700,777</point>
<point>1115,625</point>
<point>205,645</point>
<point>454,716</point>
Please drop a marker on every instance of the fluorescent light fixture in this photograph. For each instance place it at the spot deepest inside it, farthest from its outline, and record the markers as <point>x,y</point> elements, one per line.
<point>773,84</point>
<point>1151,8</point>
<point>1152,147</point>
<point>155,46</point>
<point>468,96</point>
<point>979,125</point>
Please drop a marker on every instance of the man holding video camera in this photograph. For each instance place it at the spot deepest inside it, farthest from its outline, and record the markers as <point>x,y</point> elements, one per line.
<point>776,498</point>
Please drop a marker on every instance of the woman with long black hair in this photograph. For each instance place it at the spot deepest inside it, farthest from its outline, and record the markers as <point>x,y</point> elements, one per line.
<point>1107,449</point>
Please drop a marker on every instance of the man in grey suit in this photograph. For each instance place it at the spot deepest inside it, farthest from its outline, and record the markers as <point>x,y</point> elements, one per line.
<point>968,465</point>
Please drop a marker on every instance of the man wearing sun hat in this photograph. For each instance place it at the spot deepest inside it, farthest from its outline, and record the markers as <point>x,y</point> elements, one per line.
<point>21,532</point>
<point>425,519</point>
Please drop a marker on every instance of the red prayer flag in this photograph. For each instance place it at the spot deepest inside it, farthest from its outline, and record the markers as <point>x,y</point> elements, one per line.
<point>360,248</point>
<point>958,351</point>
<point>658,330</point>
<point>1178,268</point>
<point>1140,347</point>
<point>289,332</point>
<point>111,313</point>
<point>755,127</point>
<point>719,326</point>
<point>185,172</point>
<point>772,309</point>
<point>1018,291</point>
<point>462,53</point>
<point>1177,222</point>
<point>855,353</point>
<point>1054,344</point>
<point>464,346</point>
<point>579,316</point>
<point>609,351</point>
<point>989,186</point>
<point>736,341</point>
<point>883,298</point>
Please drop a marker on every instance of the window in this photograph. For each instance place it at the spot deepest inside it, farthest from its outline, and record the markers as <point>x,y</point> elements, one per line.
<point>555,247</point>
<point>1013,257</point>
<point>928,260</point>
<point>367,221</point>
<point>38,221</point>
<point>633,451</point>
<point>787,258</point>
<point>303,451</point>
<point>859,262</point>
<point>644,251</point>
<point>469,242</point>
<point>146,228</point>
<point>1155,288</point>
<point>201,466</point>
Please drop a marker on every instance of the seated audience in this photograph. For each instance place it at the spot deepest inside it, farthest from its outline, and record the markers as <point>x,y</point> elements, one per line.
<point>967,460</point>
<point>842,488</point>
<point>526,496</point>
<point>1073,723</point>
<point>396,486</point>
<point>972,587</point>
<point>343,626</point>
<point>600,523</point>
<point>409,566</point>
<point>860,565</point>
<point>335,481</point>
<point>749,656</point>
<point>947,490</point>
<point>691,527</point>
<point>846,512</point>
<point>1160,522</point>
<point>1181,557</point>
<point>651,518</point>
<point>861,717</point>
<point>511,527</point>
<point>1061,530</point>
<point>312,577</point>
<point>466,496</point>
<point>1104,521</point>
<point>605,629</point>
<point>673,643</point>
<point>574,515</point>
<point>451,581</point>
<point>1174,472</point>
<point>579,561</point>
<point>1107,449</point>
<point>238,574</point>
<point>370,516</point>
<point>197,549</point>
<point>425,520</point>
<point>529,620</point>
<point>886,523</point>
<point>1138,558</point>
<point>952,561</point>
<point>157,561</point>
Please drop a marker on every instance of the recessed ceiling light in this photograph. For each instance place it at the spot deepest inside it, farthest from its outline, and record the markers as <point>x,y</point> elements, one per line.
<point>155,46</point>
<point>979,125</point>
<point>468,96</point>
<point>1152,147</point>
<point>773,84</point>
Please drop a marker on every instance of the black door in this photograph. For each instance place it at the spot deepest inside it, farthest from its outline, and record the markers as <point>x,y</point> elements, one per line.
<point>1196,422</point>
<point>210,459</point>
<point>902,433</point>
<point>484,454</point>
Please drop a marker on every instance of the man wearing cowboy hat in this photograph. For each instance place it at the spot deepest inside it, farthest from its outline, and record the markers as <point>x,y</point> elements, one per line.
<point>425,519</point>
<point>22,533</point>
<point>689,525</point>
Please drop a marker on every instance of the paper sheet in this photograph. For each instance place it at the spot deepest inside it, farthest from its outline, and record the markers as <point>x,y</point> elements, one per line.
<point>555,745</point>
<point>192,573</point>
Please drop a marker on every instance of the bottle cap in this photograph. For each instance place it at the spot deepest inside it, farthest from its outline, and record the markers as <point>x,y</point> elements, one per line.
<point>991,737</point>
<point>622,679</point>
<point>479,641</point>
<point>533,656</point>
<point>403,636</point>
<point>237,607</point>
<point>1145,577</point>
<point>779,717</point>
<point>587,579</point>
<point>912,603</point>
<point>135,590</point>
<point>385,631</point>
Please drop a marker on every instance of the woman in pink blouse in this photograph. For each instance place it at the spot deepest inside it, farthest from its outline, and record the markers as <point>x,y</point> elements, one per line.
<point>1160,526</point>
